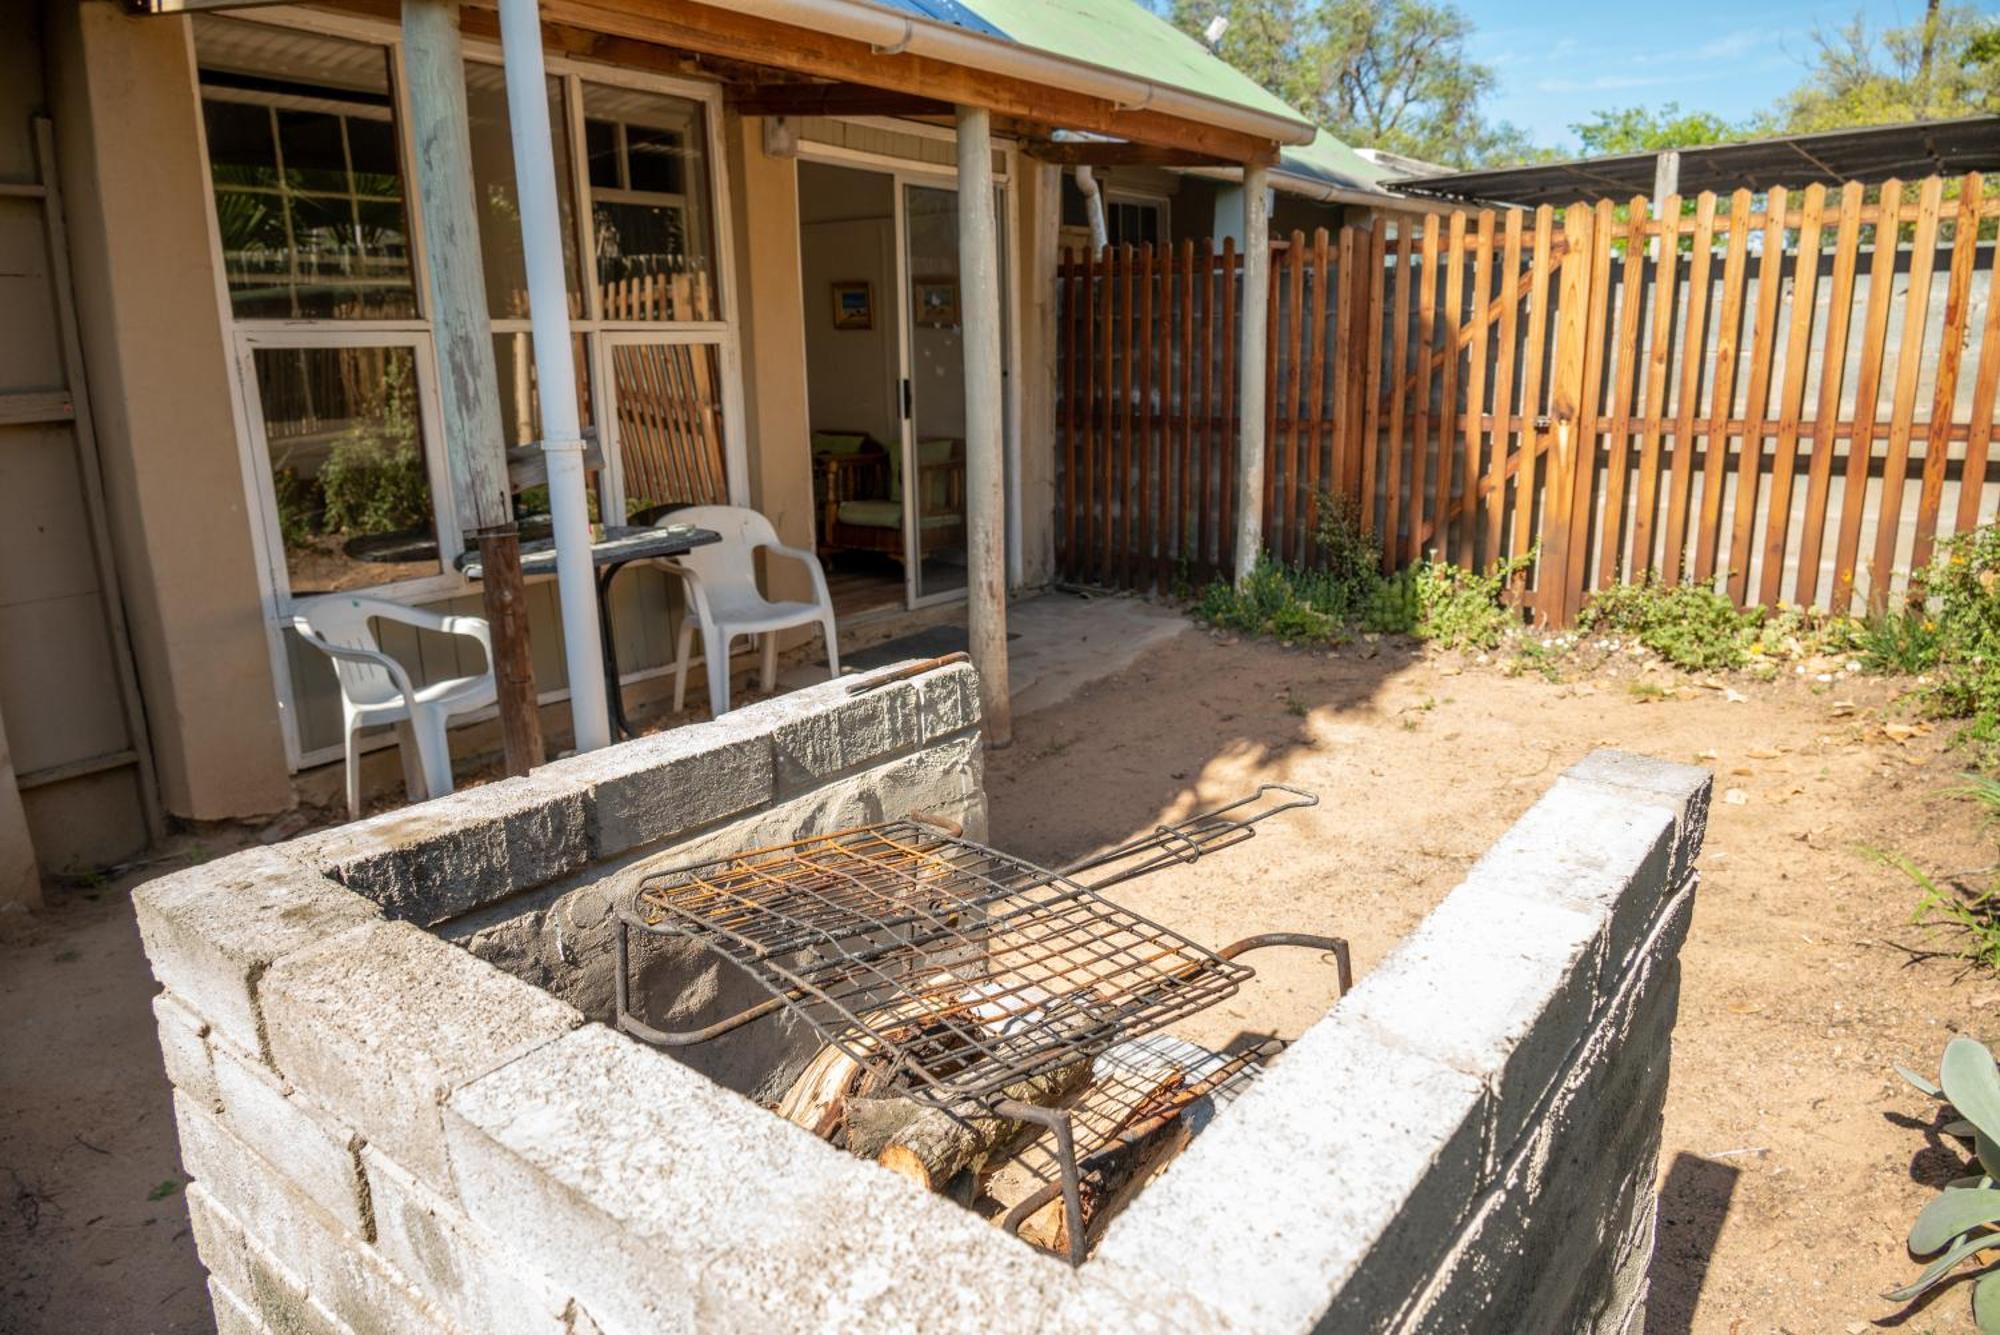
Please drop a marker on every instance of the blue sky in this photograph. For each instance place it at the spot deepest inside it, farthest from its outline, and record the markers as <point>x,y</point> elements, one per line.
<point>1559,62</point>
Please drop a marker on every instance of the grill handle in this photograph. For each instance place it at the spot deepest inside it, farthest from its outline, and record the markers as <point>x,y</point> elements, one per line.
<point>1185,841</point>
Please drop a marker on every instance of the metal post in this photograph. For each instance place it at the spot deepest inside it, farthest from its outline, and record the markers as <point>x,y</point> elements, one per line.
<point>463,334</point>
<point>1666,181</point>
<point>1250,360</point>
<point>555,372</point>
<point>985,495</point>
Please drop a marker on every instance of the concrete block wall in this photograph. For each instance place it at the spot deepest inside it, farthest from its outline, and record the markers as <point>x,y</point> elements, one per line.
<point>388,1131</point>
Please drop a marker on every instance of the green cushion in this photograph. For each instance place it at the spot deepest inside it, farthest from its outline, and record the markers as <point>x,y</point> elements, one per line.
<point>884,514</point>
<point>936,450</point>
<point>838,442</point>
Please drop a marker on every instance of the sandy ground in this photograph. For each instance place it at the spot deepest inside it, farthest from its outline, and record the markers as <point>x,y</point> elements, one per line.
<point>1794,1158</point>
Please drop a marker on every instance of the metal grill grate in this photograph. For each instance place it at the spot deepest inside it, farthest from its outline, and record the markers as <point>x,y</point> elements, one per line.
<point>951,970</point>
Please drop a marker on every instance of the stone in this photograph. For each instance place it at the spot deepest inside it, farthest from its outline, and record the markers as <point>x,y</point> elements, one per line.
<point>436,860</point>
<point>184,1049</point>
<point>1685,790</point>
<point>634,1193</point>
<point>473,1281</point>
<point>380,1024</point>
<point>829,737</point>
<point>320,1155</point>
<point>211,931</point>
<point>670,784</point>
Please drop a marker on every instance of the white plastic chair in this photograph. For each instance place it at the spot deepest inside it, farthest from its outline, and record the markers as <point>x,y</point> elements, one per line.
<point>375,689</point>
<point>723,598</point>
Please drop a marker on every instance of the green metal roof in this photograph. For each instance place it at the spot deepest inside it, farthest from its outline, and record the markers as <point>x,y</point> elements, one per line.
<point>1118,35</point>
<point>1328,159</point>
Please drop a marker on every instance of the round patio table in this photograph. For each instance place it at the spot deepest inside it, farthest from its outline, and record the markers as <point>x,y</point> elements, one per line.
<point>619,547</point>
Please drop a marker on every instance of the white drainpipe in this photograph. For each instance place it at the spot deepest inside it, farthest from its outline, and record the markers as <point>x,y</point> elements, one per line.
<point>1093,203</point>
<point>555,372</point>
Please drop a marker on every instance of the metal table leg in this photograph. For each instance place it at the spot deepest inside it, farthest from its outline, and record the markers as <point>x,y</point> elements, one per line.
<point>614,697</point>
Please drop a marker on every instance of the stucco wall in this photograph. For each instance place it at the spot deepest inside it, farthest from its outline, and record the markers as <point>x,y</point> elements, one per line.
<point>126,109</point>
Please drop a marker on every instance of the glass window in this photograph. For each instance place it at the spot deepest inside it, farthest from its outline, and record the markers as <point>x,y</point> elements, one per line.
<point>493,184</point>
<point>348,467</point>
<point>307,178</point>
<point>521,418</point>
<point>651,215</point>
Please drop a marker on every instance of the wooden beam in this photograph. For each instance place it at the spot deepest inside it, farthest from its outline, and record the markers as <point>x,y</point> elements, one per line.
<point>708,30</point>
<point>1118,153</point>
<point>985,499</point>
<point>830,99</point>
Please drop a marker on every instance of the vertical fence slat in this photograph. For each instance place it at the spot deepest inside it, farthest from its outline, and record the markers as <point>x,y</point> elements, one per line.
<point>1750,459</point>
<point>1066,525</point>
<point>1694,340</point>
<point>1588,419</point>
<point>1722,395</point>
<point>1658,355</point>
<point>1371,359</point>
<point>1087,407</point>
<point>1951,352</point>
<point>1184,550</point>
<point>1833,367</point>
<point>1289,499</point>
<point>1612,562</point>
<point>1230,442</point>
<point>1427,331</point>
<point>1500,447</point>
<point>1972,481</point>
<point>1475,382</point>
<point>1533,357</point>
<point>1454,296</point>
<point>1204,338</point>
<point>1560,586</point>
<point>1322,368</point>
<point>1121,501</point>
<point>1399,359</point>
<point>1145,560</point>
<point>1867,397</point>
<point>1798,344</point>
<point>1909,363</point>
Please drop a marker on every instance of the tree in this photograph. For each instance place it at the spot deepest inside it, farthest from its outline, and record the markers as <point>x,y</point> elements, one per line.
<point>1944,65</point>
<point>1393,75</point>
<point>1639,130</point>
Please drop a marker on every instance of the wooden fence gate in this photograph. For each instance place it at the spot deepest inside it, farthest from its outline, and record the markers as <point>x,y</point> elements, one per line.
<point>1748,390</point>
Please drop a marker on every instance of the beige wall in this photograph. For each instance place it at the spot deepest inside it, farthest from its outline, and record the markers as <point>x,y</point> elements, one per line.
<point>126,111</point>
<point>764,216</point>
<point>20,878</point>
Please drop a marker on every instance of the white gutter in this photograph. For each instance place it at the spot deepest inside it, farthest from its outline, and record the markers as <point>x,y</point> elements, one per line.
<point>1093,205</point>
<point>891,32</point>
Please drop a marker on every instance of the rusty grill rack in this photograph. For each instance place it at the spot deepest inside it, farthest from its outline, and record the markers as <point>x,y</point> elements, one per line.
<point>949,970</point>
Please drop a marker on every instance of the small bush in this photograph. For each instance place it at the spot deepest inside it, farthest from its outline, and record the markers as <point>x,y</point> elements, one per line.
<point>1285,604</point>
<point>1392,607</point>
<point>1903,642</point>
<point>1463,609</point>
<point>1689,625</point>
<point>1964,590</point>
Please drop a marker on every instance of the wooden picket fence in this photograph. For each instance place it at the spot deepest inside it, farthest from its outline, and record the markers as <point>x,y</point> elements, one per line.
<point>1747,390</point>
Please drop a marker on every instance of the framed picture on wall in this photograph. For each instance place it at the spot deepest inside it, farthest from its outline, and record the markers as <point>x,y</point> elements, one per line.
<point>937,302</point>
<point>853,306</point>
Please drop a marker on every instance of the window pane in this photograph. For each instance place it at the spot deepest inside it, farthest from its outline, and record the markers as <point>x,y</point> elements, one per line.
<point>347,464</point>
<point>330,239</point>
<point>654,236</point>
<point>669,399</point>
<point>493,185</point>
<point>521,418</point>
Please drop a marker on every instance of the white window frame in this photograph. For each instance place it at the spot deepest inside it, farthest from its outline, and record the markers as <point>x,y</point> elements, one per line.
<point>1148,199</point>
<point>245,336</point>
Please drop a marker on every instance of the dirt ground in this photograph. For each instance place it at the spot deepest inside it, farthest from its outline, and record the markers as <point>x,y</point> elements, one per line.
<point>1794,1158</point>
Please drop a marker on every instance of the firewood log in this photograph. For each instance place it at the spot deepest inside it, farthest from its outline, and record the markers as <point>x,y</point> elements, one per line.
<point>931,1147</point>
<point>817,1100</point>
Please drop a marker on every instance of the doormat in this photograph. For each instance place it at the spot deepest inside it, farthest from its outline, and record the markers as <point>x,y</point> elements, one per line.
<point>931,642</point>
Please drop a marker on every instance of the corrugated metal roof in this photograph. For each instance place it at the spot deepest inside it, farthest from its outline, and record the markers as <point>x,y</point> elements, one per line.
<point>1871,154</point>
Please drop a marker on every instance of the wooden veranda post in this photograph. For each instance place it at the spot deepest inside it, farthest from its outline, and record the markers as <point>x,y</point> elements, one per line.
<point>1251,361</point>
<point>468,380</point>
<point>985,498</point>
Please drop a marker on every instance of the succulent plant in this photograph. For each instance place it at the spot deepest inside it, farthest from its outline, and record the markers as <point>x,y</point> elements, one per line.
<point>1965,1220</point>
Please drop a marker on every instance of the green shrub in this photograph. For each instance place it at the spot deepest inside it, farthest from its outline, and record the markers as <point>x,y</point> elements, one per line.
<point>1463,609</point>
<point>1392,607</point>
<point>1350,558</point>
<point>1904,642</point>
<point>1690,625</point>
<point>1964,591</point>
<point>374,484</point>
<point>1289,605</point>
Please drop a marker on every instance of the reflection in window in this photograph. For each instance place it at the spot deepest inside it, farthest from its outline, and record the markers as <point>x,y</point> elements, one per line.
<point>347,466</point>
<point>670,436</point>
<point>499,206</point>
<point>303,158</point>
<point>521,420</point>
<point>650,211</point>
